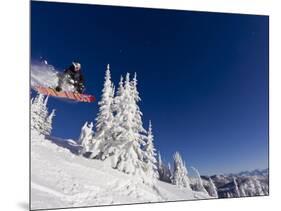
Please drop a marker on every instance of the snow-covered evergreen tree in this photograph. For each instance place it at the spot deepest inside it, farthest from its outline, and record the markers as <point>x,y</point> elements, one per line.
<point>164,171</point>
<point>212,188</point>
<point>138,114</point>
<point>104,118</point>
<point>258,187</point>
<point>180,177</point>
<point>160,165</point>
<point>149,157</point>
<point>118,99</point>
<point>49,123</point>
<point>242,191</point>
<point>170,168</point>
<point>128,155</point>
<point>38,113</point>
<point>264,187</point>
<point>41,121</point>
<point>85,139</point>
<point>236,189</point>
<point>168,174</point>
<point>251,188</point>
<point>112,147</point>
<point>199,184</point>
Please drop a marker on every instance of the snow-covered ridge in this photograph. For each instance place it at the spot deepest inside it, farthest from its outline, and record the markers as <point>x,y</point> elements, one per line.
<point>256,172</point>
<point>60,178</point>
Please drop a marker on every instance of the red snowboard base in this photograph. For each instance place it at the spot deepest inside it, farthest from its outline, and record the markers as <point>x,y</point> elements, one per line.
<point>63,94</point>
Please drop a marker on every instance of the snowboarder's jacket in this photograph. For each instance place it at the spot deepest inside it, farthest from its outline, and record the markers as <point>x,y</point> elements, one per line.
<point>76,76</point>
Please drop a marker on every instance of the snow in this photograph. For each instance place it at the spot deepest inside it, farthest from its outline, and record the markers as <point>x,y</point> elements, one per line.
<point>60,178</point>
<point>46,75</point>
<point>42,74</point>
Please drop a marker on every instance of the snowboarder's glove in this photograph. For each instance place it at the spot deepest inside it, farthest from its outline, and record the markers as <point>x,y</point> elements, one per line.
<point>58,89</point>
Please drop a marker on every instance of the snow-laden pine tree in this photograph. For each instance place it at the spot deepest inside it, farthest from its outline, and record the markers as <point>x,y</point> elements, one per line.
<point>167,175</point>
<point>251,188</point>
<point>199,184</point>
<point>160,166</point>
<point>170,172</point>
<point>127,133</point>
<point>138,114</point>
<point>85,138</point>
<point>180,177</point>
<point>212,188</point>
<point>104,118</point>
<point>112,147</point>
<point>242,191</point>
<point>117,103</point>
<point>41,121</point>
<point>258,187</point>
<point>164,171</point>
<point>236,189</point>
<point>150,167</point>
<point>49,123</point>
<point>170,168</point>
<point>264,187</point>
<point>38,113</point>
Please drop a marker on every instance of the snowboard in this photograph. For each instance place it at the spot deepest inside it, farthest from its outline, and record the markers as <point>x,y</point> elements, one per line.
<point>64,94</point>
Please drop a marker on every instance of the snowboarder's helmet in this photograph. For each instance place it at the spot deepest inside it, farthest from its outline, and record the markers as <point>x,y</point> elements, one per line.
<point>77,66</point>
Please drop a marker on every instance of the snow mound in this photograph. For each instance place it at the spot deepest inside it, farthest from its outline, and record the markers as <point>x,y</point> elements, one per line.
<point>60,178</point>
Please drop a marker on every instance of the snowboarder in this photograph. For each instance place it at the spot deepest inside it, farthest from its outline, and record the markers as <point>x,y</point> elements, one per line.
<point>72,76</point>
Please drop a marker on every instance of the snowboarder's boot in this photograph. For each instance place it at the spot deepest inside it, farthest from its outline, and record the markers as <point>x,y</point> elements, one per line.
<point>58,89</point>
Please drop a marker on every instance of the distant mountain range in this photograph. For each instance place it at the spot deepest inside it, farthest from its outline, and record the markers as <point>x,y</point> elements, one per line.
<point>256,172</point>
<point>245,183</point>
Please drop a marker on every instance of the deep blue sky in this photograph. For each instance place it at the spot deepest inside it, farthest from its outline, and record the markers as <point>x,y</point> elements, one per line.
<point>203,77</point>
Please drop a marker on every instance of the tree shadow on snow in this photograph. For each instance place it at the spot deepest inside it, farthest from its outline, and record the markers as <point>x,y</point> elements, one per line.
<point>69,144</point>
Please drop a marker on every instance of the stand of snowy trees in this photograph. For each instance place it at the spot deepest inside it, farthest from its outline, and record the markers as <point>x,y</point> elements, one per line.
<point>164,171</point>
<point>40,118</point>
<point>241,186</point>
<point>119,136</point>
<point>119,133</point>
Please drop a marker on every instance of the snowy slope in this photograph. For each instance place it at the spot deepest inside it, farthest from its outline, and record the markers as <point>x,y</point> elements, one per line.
<point>60,178</point>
